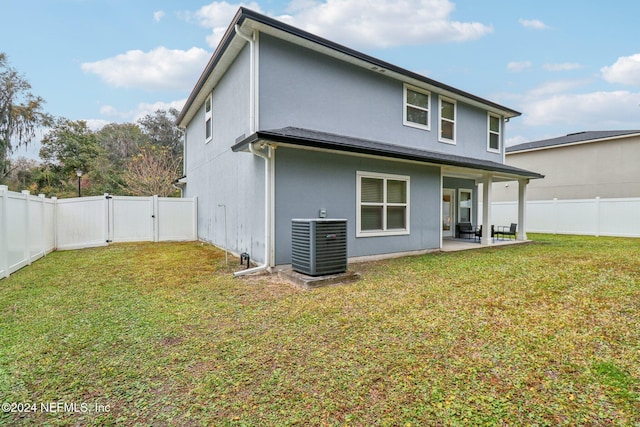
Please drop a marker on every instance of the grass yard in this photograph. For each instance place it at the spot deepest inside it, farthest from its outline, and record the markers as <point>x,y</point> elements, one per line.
<point>161,334</point>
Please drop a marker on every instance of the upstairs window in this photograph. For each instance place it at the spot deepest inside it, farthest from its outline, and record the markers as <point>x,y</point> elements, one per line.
<point>493,141</point>
<point>447,121</point>
<point>417,103</point>
<point>208,120</point>
<point>383,204</point>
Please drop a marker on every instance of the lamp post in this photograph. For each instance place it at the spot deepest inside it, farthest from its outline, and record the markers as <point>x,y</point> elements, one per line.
<point>79,173</point>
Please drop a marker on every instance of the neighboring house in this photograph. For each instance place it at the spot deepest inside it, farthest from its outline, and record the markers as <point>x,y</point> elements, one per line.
<point>283,124</point>
<point>582,165</point>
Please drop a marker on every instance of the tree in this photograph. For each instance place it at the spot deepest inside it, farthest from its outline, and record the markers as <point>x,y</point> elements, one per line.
<point>118,143</point>
<point>152,172</point>
<point>20,112</point>
<point>67,147</point>
<point>21,174</point>
<point>121,141</point>
<point>162,130</point>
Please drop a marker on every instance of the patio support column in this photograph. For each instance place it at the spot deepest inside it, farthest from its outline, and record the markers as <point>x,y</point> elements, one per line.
<point>522,209</point>
<point>486,210</point>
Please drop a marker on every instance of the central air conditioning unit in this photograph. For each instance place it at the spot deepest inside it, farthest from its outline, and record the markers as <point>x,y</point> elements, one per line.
<point>319,246</point>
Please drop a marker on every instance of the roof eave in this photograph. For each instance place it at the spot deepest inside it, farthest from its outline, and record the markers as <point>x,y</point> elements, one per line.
<point>187,112</point>
<point>326,46</point>
<point>278,138</point>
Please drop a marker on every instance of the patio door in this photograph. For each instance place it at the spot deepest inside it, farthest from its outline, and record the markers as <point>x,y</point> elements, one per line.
<point>448,211</point>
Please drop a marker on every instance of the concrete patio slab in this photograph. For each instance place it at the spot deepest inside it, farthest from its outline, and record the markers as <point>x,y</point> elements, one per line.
<point>453,245</point>
<point>312,282</point>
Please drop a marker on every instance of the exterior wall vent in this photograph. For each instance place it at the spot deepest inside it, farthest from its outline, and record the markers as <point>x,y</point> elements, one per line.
<point>319,246</point>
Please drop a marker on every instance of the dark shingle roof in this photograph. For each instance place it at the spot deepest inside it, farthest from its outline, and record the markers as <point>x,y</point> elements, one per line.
<point>330,141</point>
<point>571,138</point>
<point>247,14</point>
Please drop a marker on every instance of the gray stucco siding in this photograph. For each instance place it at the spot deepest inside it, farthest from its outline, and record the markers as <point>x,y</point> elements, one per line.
<point>218,176</point>
<point>302,88</point>
<point>307,181</point>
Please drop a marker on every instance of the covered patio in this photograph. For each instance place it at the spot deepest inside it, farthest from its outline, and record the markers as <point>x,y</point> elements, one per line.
<point>455,211</point>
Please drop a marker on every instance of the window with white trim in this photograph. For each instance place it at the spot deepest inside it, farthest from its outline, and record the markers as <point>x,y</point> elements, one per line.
<point>447,120</point>
<point>465,205</point>
<point>493,140</point>
<point>208,120</point>
<point>382,204</point>
<point>417,103</point>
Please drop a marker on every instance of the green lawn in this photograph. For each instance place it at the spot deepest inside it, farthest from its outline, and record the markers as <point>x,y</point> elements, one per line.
<point>161,334</point>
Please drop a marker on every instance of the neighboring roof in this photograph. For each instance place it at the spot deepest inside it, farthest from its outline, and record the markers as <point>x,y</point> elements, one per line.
<point>277,28</point>
<point>323,140</point>
<point>572,138</point>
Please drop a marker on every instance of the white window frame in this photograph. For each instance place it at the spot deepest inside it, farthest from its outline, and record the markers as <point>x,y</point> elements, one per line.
<point>460,191</point>
<point>490,132</point>
<point>454,121</point>
<point>405,121</point>
<point>384,232</point>
<point>208,119</point>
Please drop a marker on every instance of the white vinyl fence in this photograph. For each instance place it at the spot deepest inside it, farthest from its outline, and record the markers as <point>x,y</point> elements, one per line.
<point>594,217</point>
<point>32,226</point>
<point>26,229</point>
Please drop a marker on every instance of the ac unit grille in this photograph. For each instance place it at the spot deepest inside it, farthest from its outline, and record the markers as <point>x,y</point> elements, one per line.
<point>319,246</point>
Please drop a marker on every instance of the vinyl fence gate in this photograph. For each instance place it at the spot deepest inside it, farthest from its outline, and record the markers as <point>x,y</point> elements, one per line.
<point>32,226</point>
<point>97,221</point>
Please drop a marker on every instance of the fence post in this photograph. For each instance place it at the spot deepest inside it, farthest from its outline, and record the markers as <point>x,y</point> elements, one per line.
<point>195,217</point>
<point>598,216</point>
<point>55,222</point>
<point>27,215</point>
<point>4,255</point>
<point>108,200</point>
<point>42,225</point>
<point>156,218</point>
<point>555,215</point>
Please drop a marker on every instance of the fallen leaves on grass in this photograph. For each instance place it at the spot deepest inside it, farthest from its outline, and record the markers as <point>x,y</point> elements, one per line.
<point>542,334</point>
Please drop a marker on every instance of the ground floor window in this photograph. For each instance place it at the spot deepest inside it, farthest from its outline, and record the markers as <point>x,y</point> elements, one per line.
<point>465,205</point>
<point>382,204</point>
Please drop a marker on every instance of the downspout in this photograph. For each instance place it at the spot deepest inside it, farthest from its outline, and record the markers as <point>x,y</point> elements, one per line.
<point>252,80</point>
<point>503,139</point>
<point>256,152</point>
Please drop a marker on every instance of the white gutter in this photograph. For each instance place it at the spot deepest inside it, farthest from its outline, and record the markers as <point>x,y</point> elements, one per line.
<point>268,156</point>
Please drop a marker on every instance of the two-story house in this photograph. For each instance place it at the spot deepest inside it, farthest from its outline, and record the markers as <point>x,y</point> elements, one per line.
<point>284,124</point>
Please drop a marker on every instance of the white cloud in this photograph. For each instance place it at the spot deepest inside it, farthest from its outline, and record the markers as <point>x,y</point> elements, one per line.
<point>565,66</point>
<point>217,16</point>
<point>515,140</point>
<point>534,24</point>
<point>517,67</point>
<point>158,69</point>
<point>601,110</point>
<point>555,87</point>
<point>625,70</point>
<point>96,124</point>
<point>141,110</point>
<point>360,23</point>
<point>158,15</point>
<point>564,106</point>
<point>386,23</point>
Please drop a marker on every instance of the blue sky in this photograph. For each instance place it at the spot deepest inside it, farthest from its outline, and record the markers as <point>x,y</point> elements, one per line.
<point>567,65</point>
